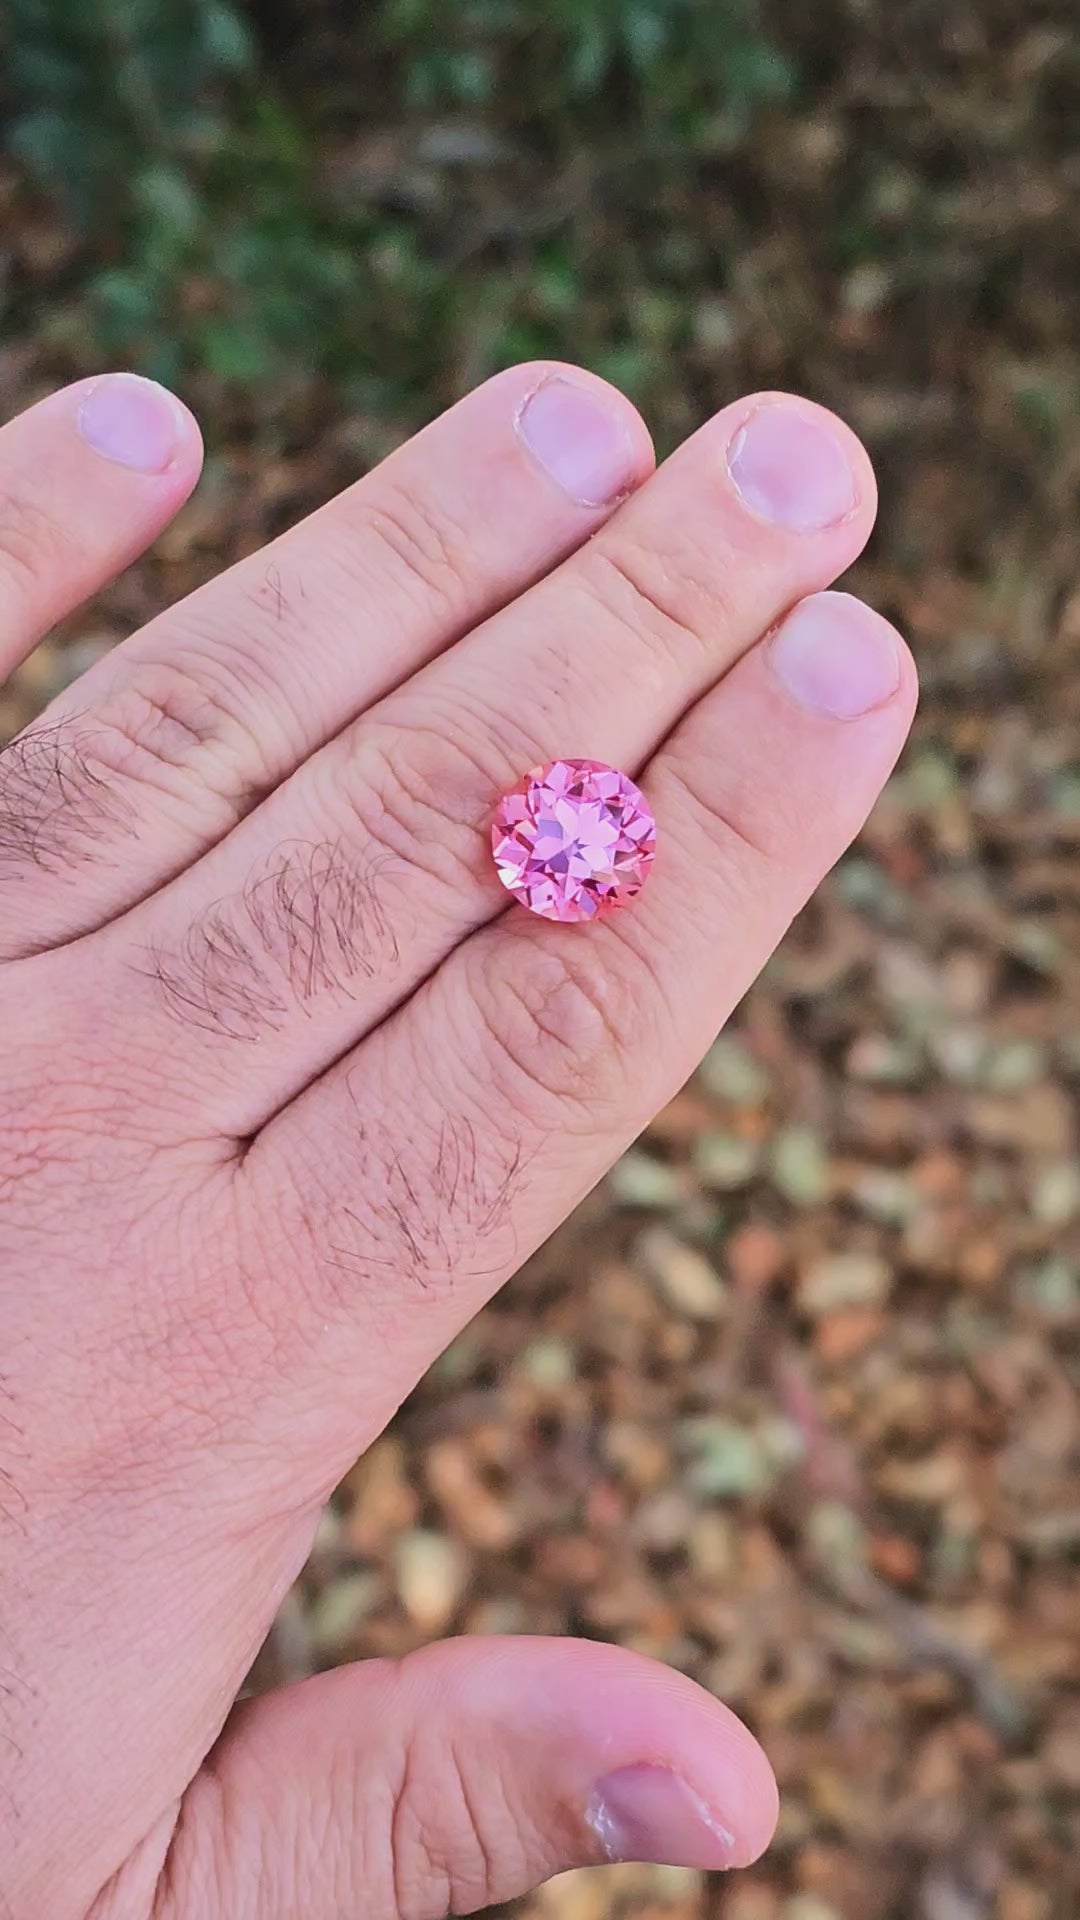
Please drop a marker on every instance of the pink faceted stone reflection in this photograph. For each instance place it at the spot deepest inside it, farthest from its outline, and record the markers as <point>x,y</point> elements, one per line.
<point>573,840</point>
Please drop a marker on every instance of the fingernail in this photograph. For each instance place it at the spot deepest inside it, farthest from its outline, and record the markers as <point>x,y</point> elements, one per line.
<point>580,442</point>
<point>789,468</point>
<point>836,656</point>
<point>132,421</point>
<point>649,1813</point>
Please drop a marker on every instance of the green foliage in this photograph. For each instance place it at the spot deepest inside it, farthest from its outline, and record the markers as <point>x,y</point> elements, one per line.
<point>100,80</point>
<point>213,239</point>
<point>676,58</point>
<point>187,177</point>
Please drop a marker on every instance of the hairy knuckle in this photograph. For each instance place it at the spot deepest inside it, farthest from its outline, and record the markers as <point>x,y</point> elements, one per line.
<point>307,922</point>
<point>558,1023</point>
<point>54,800</point>
<point>70,788</point>
<point>432,1199</point>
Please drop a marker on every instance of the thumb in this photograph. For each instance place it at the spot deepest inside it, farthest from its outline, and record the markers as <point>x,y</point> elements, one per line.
<point>459,1778</point>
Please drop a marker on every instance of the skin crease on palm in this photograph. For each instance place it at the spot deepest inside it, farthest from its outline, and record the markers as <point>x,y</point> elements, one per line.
<point>287,1090</point>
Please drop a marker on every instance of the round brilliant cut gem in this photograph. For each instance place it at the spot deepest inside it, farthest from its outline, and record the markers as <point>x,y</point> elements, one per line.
<point>573,840</point>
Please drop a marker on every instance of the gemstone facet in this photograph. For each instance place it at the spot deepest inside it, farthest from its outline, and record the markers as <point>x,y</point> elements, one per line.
<point>573,840</point>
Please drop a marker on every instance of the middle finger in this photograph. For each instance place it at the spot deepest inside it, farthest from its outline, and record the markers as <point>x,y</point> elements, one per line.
<point>326,908</point>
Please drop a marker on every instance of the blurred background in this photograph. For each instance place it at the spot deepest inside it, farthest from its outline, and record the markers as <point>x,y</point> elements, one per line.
<point>793,1402</point>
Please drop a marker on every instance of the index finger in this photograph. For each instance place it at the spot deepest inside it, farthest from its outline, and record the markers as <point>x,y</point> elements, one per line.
<point>88,477</point>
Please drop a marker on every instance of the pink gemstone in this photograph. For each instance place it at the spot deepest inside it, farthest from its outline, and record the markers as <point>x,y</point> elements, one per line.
<point>575,838</point>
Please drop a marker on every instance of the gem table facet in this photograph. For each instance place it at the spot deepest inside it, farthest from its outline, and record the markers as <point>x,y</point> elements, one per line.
<point>575,839</point>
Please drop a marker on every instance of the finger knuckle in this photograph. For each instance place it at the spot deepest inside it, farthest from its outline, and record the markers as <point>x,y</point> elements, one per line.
<point>55,802</point>
<point>558,1021</point>
<point>677,603</point>
<point>32,546</point>
<point>429,1204</point>
<point>308,923</point>
<point>458,1840</point>
<point>748,831</point>
<point>73,786</point>
<point>423,795</point>
<point>424,548</point>
<point>170,728</point>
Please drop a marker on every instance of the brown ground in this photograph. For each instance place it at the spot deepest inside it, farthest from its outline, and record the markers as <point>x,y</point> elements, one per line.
<point>794,1402</point>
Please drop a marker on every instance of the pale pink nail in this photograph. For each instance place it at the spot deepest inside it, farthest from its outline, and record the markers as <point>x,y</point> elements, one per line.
<point>132,421</point>
<point>789,468</point>
<point>580,441</point>
<point>836,656</point>
<point>650,1813</point>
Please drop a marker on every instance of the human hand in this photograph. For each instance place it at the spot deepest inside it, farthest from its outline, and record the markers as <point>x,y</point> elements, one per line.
<point>285,1095</point>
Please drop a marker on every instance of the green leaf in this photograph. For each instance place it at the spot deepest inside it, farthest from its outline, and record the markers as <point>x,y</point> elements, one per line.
<point>228,41</point>
<point>168,199</point>
<point>125,296</point>
<point>234,352</point>
<point>646,36</point>
<point>591,59</point>
<point>45,141</point>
